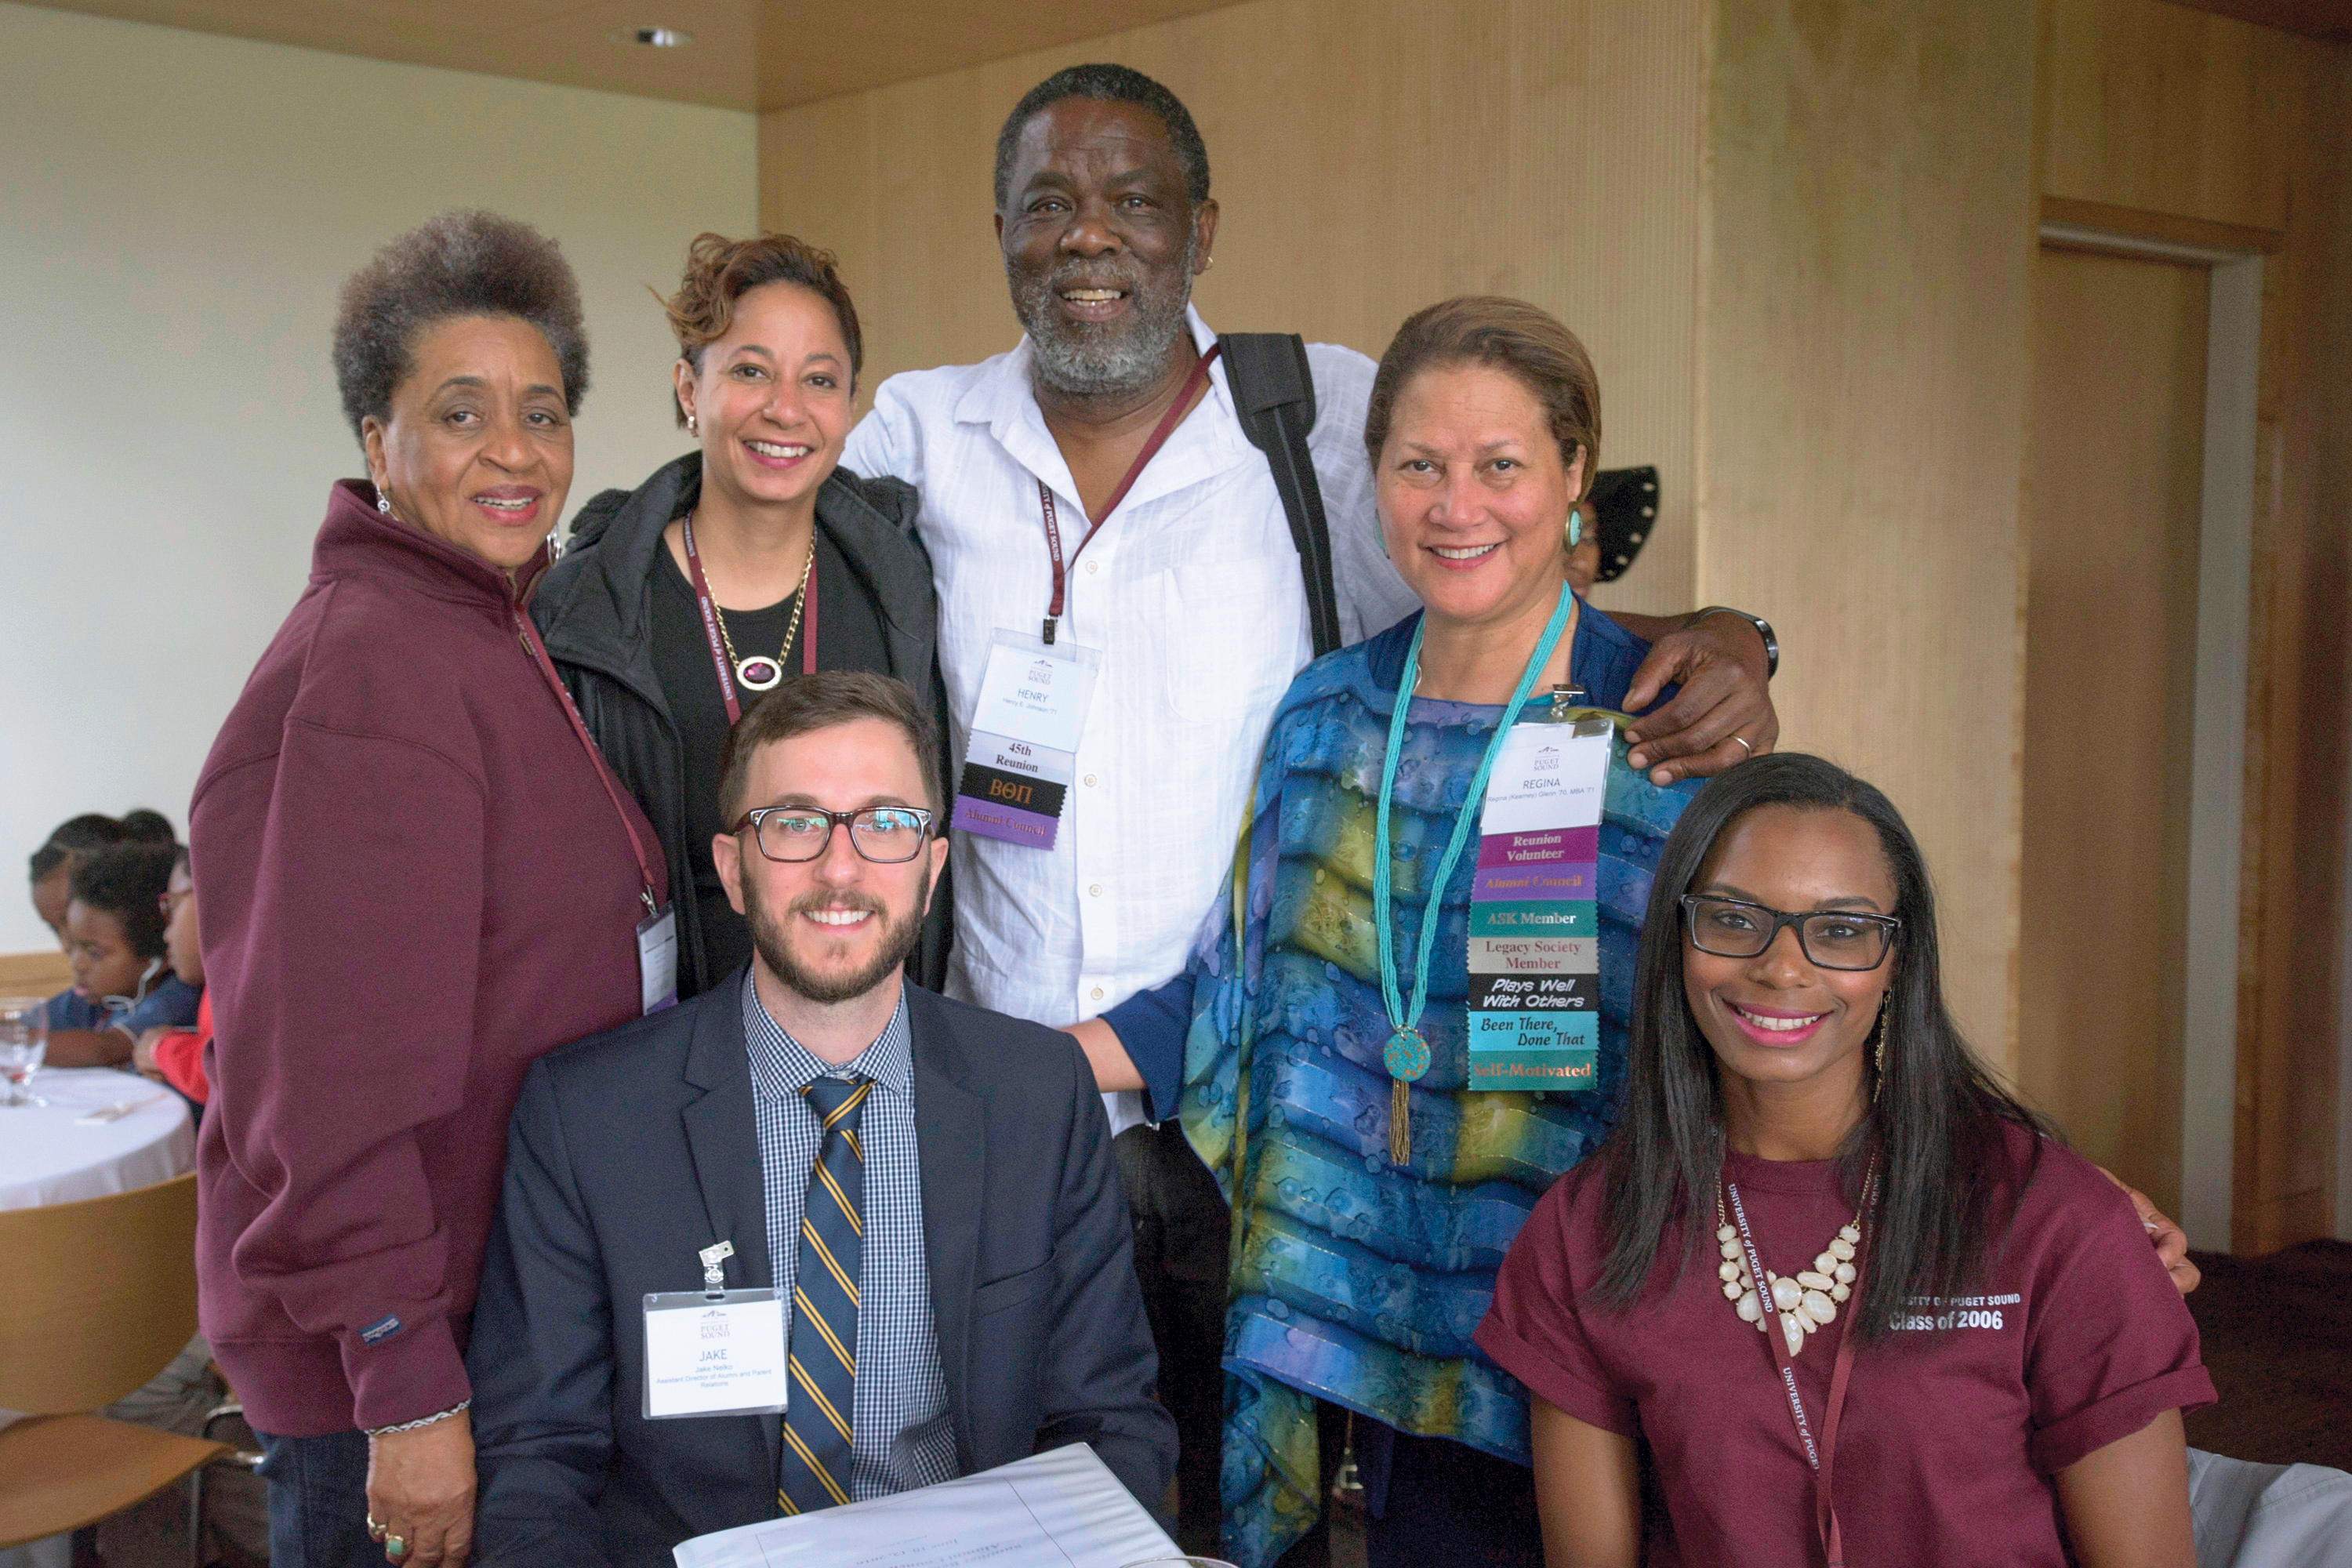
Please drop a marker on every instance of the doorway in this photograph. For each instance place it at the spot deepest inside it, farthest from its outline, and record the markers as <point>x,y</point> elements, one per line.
<point>2117,482</point>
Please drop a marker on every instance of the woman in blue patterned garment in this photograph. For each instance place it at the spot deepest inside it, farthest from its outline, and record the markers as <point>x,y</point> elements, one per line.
<point>1357,1280</point>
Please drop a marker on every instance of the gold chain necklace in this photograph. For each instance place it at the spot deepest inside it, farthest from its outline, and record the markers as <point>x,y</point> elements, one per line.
<point>750,673</point>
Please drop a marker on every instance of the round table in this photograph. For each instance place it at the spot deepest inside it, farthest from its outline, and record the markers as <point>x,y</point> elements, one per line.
<point>47,1155</point>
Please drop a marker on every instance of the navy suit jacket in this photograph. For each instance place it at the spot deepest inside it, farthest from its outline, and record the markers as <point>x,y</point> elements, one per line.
<point>631,1151</point>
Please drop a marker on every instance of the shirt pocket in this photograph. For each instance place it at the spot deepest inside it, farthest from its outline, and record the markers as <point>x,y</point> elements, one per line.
<point>1232,636</point>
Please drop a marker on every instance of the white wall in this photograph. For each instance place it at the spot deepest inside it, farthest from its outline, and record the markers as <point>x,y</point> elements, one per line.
<point>176,212</point>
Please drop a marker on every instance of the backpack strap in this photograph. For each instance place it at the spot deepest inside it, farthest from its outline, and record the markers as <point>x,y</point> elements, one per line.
<point>1273,392</point>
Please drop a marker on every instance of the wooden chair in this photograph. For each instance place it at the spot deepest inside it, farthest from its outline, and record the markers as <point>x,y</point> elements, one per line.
<point>97,1298</point>
<point>43,973</point>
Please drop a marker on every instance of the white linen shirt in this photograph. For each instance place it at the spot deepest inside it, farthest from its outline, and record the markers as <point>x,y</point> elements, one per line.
<point>1192,592</point>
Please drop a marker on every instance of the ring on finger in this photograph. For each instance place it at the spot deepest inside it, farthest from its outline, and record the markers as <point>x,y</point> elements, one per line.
<point>394,1548</point>
<point>1743,741</point>
<point>375,1532</point>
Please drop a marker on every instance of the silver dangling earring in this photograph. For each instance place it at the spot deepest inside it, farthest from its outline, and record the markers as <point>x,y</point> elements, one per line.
<point>693,425</point>
<point>383,502</point>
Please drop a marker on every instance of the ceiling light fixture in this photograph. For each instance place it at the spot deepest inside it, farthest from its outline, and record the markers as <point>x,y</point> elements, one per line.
<point>655,37</point>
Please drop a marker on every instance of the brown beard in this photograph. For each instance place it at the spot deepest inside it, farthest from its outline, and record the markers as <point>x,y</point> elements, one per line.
<point>899,940</point>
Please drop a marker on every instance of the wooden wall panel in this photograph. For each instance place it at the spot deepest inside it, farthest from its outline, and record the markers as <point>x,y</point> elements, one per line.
<point>2168,109</point>
<point>1865,361</point>
<point>2291,988</point>
<point>1370,158</point>
<point>2176,114</point>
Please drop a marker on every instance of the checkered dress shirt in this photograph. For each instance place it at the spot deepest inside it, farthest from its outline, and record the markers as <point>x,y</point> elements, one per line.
<point>901,1435</point>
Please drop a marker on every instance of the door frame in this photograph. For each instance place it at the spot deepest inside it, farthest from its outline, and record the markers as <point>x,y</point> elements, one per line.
<point>2217,806</point>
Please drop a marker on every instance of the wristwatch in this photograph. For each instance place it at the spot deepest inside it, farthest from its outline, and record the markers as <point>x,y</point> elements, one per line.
<point>1763,629</point>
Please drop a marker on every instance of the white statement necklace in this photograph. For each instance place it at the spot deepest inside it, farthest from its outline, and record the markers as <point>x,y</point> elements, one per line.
<point>1803,1303</point>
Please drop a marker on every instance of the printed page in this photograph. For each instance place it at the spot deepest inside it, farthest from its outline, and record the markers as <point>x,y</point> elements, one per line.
<point>1061,1509</point>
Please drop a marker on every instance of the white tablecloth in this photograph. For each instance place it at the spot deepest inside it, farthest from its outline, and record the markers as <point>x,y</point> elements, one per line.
<point>48,1157</point>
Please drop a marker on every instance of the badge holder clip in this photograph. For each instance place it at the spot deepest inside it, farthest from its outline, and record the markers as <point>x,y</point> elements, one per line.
<point>1573,705</point>
<point>714,1351</point>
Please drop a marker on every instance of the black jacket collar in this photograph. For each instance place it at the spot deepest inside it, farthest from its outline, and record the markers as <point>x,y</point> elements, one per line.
<point>597,602</point>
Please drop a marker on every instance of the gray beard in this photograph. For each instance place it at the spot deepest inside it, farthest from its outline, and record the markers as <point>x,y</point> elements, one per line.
<point>1103,362</point>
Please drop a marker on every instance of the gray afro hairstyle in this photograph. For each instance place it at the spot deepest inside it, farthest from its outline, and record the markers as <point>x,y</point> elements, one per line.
<point>466,263</point>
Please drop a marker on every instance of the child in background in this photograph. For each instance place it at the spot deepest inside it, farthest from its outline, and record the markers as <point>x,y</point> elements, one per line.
<point>53,862</point>
<point>114,940</point>
<point>176,1057</point>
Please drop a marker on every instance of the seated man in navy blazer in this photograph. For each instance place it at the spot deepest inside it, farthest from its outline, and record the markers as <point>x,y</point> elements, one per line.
<point>928,1186</point>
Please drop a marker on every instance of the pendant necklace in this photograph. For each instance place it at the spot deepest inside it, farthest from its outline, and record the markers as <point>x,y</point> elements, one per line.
<point>759,672</point>
<point>1407,1052</point>
<point>1803,1303</point>
<point>1800,1306</point>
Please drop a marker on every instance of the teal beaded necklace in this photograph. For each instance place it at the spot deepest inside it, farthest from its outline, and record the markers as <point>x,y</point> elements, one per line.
<point>1407,1054</point>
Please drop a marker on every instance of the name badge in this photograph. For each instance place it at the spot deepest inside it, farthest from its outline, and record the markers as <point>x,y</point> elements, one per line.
<point>657,960</point>
<point>715,1352</point>
<point>1534,960</point>
<point>1025,738</point>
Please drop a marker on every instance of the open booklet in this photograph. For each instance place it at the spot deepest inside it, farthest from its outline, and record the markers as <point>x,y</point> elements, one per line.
<point>1062,1508</point>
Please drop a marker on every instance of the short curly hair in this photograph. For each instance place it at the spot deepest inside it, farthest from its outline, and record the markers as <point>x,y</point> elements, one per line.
<point>719,271</point>
<point>465,263</point>
<point>1525,341</point>
<point>94,830</point>
<point>128,881</point>
<point>1107,84</point>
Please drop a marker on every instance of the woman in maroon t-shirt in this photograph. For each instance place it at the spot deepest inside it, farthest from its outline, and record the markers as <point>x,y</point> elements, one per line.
<point>1967,1345</point>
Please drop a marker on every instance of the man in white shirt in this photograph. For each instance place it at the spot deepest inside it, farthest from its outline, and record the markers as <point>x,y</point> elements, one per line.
<point>1184,584</point>
<point>1189,589</point>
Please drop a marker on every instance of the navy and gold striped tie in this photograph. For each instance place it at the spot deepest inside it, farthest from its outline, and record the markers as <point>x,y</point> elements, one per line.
<point>814,1470</point>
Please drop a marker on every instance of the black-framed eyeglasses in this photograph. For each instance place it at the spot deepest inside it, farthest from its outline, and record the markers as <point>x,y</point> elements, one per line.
<point>1833,938</point>
<point>886,834</point>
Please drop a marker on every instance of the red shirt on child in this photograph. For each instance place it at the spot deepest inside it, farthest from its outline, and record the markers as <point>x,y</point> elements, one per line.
<point>2076,1338</point>
<point>180,1054</point>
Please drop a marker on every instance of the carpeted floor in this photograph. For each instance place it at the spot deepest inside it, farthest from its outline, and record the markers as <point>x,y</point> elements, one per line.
<point>2277,1337</point>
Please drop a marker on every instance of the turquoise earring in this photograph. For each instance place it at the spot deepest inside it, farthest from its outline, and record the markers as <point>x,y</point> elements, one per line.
<point>1575,526</point>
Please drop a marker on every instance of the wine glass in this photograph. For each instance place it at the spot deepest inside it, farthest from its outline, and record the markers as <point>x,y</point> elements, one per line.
<point>24,1041</point>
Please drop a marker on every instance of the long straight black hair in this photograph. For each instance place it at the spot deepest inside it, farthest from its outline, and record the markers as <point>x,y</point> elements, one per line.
<point>1935,1125</point>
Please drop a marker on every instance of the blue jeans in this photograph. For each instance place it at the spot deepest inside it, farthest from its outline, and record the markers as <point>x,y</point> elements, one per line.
<point>318,1501</point>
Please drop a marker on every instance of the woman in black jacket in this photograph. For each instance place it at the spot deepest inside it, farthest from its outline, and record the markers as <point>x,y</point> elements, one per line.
<point>739,566</point>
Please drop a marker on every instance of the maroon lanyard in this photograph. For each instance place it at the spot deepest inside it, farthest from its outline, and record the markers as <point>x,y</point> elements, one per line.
<point>538,651</point>
<point>1822,1459</point>
<point>719,643</point>
<point>1167,427</point>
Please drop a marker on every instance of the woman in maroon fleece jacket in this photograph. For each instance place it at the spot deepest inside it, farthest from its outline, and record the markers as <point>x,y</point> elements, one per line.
<point>418,877</point>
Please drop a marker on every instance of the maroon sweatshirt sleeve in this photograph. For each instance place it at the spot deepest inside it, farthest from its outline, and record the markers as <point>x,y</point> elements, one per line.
<point>351,1018</point>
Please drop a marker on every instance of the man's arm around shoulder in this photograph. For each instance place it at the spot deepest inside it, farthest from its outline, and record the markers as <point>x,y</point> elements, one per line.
<point>542,1357</point>
<point>1095,1384</point>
